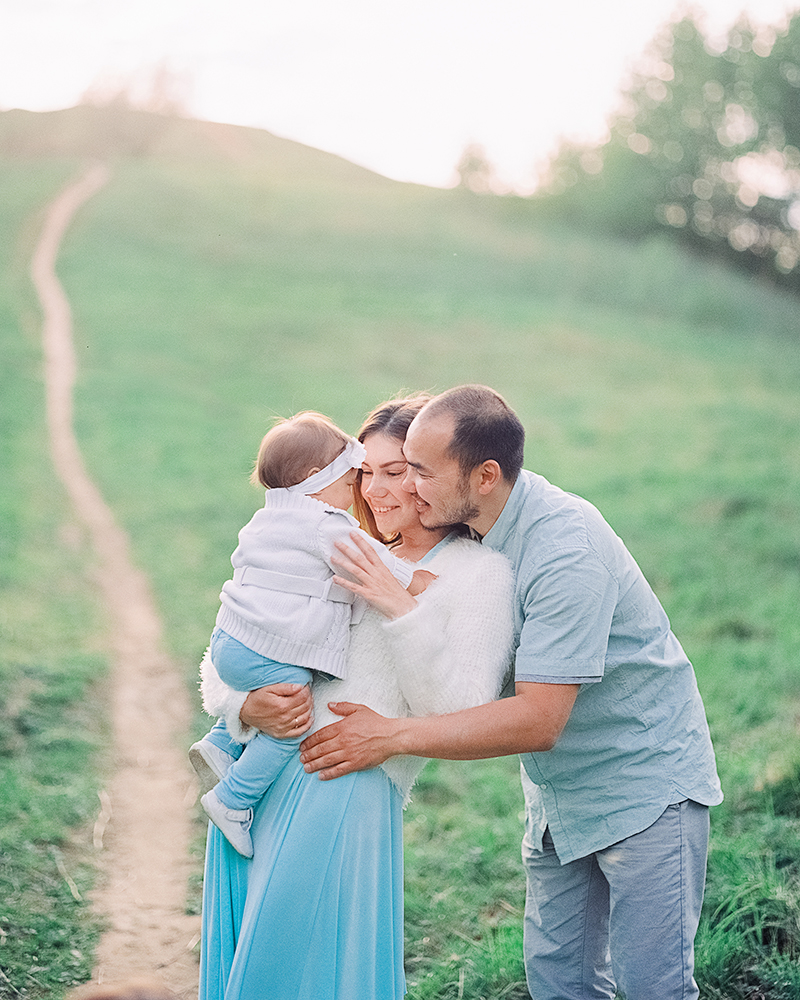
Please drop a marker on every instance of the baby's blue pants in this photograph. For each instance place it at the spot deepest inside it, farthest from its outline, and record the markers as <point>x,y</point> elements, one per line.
<point>260,761</point>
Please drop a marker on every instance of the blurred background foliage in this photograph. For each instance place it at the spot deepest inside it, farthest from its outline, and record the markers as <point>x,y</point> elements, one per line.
<point>705,146</point>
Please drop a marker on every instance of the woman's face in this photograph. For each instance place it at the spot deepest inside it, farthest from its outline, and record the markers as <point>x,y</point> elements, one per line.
<point>382,475</point>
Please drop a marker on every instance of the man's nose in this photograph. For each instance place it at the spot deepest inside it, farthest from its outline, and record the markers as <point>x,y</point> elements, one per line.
<point>409,483</point>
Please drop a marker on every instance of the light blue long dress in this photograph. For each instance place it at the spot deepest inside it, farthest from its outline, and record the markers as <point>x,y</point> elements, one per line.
<point>318,913</point>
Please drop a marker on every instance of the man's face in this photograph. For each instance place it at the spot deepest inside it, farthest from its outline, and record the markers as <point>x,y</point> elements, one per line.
<point>443,493</point>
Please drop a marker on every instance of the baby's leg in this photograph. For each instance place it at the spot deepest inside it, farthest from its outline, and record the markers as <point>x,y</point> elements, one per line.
<point>248,778</point>
<point>264,757</point>
<point>221,738</point>
<point>229,803</point>
<point>213,755</point>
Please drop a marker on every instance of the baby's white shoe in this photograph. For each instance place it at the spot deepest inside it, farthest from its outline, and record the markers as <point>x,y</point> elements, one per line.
<point>233,823</point>
<point>210,763</point>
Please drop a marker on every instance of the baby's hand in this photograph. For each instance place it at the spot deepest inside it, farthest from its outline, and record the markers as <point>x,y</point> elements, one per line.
<point>420,581</point>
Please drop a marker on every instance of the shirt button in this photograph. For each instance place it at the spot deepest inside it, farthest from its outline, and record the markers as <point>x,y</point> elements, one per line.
<point>544,785</point>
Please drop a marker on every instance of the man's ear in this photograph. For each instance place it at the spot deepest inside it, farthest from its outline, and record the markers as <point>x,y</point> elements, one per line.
<point>487,476</point>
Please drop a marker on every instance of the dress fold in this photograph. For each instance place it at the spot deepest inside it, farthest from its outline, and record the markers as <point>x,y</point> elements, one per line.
<point>318,913</point>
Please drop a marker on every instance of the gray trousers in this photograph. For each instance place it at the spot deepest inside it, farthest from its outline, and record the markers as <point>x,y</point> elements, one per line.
<point>624,918</point>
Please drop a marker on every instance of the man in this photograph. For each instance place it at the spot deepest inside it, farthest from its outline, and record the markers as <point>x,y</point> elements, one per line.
<point>618,768</point>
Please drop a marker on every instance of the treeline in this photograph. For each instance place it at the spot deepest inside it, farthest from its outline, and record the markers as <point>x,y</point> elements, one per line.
<point>706,147</point>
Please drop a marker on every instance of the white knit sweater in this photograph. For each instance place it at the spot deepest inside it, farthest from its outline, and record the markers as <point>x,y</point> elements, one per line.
<point>453,651</point>
<point>294,534</point>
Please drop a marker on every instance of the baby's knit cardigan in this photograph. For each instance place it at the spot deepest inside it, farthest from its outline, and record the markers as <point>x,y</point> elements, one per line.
<point>453,651</point>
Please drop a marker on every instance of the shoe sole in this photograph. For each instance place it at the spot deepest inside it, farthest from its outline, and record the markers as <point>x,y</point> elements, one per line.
<point>205,772</point>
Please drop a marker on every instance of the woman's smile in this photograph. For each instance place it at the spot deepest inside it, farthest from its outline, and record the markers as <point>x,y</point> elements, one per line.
<point>382,476</point>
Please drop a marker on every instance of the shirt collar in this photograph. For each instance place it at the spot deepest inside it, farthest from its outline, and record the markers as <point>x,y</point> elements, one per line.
<point>506,522</point>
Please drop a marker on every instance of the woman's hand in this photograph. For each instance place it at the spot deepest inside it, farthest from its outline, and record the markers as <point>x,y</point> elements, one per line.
<point>280,710</point>
<point>374,582</point>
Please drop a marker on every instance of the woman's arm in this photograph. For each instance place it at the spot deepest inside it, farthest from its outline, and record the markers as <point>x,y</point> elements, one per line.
<point>454,650</point>
<point>452,647</point>
<point>279,710</point>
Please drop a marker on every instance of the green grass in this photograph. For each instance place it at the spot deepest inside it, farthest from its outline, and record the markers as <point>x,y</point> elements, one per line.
<point>49,658</point>
<point>464,893</point>
<point>210,293</point>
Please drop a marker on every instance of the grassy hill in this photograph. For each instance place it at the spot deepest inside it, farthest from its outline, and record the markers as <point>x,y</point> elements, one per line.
<point>225,276</point>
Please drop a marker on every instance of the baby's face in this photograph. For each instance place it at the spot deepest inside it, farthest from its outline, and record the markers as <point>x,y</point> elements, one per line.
<point>340,493</point>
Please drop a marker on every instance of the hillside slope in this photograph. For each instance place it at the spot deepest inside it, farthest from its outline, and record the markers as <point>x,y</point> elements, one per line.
<point>224,276</point>
<point>505,243</point>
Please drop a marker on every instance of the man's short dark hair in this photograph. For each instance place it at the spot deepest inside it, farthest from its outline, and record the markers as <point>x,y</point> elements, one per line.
<point>485,428</point>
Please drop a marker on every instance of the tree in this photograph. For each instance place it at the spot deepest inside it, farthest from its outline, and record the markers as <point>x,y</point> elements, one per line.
<point>707,146</point>
<point>474,169</point>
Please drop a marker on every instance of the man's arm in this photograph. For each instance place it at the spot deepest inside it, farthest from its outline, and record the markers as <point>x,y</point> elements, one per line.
<point>530,721</point>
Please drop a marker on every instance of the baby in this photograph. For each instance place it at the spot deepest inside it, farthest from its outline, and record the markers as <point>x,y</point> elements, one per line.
<point>281,617</point>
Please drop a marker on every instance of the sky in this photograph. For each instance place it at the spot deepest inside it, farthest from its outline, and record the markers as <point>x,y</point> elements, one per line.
<point>399,86</point>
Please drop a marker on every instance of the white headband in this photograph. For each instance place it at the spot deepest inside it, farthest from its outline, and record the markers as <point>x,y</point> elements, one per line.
<point>351,458</point>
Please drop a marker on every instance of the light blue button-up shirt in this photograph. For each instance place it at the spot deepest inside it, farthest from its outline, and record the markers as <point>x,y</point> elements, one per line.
<point>637,739</point>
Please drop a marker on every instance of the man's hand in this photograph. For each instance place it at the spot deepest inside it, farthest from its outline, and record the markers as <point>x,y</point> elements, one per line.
<point>362,740</point>
<point>280,710</point>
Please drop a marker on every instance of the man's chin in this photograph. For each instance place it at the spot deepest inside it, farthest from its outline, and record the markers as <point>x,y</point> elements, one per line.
<point>433,525</point>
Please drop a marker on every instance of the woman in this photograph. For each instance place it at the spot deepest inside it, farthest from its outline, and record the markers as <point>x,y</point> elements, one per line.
<point>318,912</point>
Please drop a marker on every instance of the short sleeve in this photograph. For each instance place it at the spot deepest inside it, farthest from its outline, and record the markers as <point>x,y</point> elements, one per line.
<point>568,606</point>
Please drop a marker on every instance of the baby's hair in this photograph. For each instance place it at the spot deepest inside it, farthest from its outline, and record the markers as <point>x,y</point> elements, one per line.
<point>295,446</point>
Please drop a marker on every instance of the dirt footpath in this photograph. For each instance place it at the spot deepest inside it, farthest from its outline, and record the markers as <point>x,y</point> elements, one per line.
<point>143,829</point>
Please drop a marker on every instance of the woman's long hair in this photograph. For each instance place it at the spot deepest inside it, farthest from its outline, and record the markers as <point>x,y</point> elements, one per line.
<point>392,418</point>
